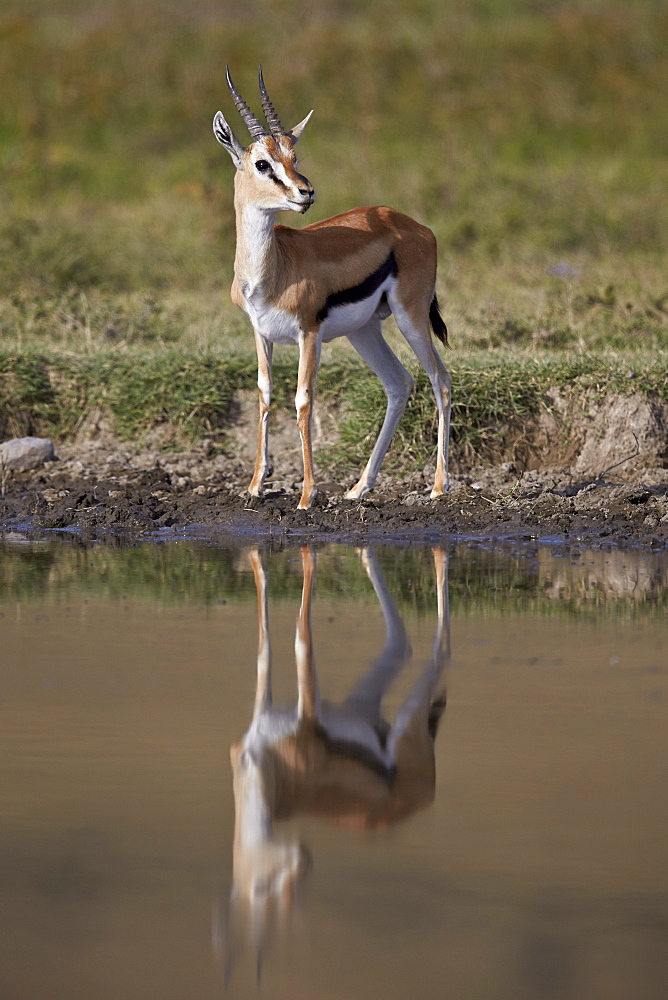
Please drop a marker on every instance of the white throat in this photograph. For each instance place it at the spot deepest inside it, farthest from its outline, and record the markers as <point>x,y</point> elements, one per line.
<point>255,251</point>
<point>253,825</point>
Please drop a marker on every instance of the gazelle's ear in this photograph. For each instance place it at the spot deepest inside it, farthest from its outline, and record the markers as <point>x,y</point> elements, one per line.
<point>295,132</point>
<point>226,138</point>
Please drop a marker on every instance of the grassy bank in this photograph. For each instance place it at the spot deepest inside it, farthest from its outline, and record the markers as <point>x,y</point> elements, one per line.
<point>529,136</point>
<point>189,396</point>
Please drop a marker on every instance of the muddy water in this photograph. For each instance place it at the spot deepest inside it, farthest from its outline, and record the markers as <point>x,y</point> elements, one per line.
<point>531,862</point>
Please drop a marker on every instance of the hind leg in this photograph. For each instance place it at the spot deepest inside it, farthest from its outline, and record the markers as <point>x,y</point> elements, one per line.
<point>418,335</point>
<point>397,383</point>
<point>366,697</point>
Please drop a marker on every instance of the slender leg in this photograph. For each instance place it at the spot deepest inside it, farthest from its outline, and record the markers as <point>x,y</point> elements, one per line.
<point>423,700</point>
<point>419,337</point>
<point>307,684</point>
<point>309,358</point>
<point>441,478</point>
<point>367,695</point>
<point>441,647</point>
<point>397,383</point>
<point>264,384</point>
<point>263,689</point>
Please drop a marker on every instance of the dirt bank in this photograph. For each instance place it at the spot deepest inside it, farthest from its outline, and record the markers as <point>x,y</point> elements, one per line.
<point>98,486</point>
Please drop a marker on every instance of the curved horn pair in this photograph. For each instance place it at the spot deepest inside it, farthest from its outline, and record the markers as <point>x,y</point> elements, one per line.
<point>254,126</point>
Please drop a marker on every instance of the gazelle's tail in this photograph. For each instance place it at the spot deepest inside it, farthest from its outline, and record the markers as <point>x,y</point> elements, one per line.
<point>437,324</point>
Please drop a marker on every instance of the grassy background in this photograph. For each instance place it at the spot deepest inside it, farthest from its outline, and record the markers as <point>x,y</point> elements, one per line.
<point>530,135</point>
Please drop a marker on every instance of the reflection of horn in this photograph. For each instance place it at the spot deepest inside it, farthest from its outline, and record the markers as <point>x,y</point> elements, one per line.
<point>254,126</point>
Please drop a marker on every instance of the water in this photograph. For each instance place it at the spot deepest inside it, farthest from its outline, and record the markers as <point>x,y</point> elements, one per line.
<point>522,854</point>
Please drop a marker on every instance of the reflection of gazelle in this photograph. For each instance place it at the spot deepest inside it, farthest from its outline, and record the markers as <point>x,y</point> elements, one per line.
<point>342,762</point>
<point>339,277</point>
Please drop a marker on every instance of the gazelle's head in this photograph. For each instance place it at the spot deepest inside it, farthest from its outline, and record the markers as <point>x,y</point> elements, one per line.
<point>267,174</point>
<point>265,868</point>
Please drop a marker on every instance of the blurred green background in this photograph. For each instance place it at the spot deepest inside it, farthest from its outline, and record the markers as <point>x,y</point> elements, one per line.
<point>530,135</point>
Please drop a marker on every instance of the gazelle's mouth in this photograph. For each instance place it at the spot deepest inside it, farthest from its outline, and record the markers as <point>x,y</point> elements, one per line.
<point>303,206</point>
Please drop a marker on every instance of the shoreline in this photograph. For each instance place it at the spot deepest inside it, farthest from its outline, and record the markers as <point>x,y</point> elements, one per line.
<point>109,487</point>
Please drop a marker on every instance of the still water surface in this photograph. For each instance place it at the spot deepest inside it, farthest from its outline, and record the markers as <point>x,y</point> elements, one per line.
<point>508,843</point>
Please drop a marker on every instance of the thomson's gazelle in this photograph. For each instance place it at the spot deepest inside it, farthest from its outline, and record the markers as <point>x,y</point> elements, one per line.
<point>337,278</point>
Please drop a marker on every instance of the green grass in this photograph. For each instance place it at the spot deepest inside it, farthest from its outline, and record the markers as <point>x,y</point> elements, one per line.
<point>188,396</point>
<point>525,134</point>
<point>531,137</point>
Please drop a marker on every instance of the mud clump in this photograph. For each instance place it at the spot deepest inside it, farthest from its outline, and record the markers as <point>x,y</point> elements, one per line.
<point>96,487</point>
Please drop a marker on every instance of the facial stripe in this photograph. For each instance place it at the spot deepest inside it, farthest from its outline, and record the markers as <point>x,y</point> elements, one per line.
<point>280,173</point>
<point>278,181</point>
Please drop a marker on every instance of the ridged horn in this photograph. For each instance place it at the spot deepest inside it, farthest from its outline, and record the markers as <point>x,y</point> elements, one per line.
<point>252,123</point>
<point>273,120</point>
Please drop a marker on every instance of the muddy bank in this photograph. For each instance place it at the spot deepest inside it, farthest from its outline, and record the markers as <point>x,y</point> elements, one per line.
<point>98,486</point>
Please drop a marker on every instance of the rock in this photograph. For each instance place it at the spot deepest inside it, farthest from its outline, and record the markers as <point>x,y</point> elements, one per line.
<point>20,454</point>
<point>624,433</point>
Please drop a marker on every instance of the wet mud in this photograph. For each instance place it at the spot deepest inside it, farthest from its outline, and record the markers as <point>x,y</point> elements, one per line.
<point>100,487</point>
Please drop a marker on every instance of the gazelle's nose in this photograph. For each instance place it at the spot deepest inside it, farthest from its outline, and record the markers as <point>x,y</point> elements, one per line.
<point>307,192</point>
<point>305,187</point>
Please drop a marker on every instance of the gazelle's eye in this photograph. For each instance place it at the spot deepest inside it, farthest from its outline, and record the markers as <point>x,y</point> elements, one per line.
<point>262,166</point>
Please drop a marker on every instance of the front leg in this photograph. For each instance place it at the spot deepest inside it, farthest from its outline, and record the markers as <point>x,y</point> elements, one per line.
<point>307,683</point>
<point>263,688</point>
<point>264,385</point>
<point>309,359</point>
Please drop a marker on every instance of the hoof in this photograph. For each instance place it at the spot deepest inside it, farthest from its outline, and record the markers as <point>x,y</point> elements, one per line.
<point>357,492</point>
<point>306,500</point>
<point>440,489</point>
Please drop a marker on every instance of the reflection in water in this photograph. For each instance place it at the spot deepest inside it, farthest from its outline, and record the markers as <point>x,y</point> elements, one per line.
<point>483,578</point>
<point>342,762</point>
<point>600,576</point>
<point>539,870</point>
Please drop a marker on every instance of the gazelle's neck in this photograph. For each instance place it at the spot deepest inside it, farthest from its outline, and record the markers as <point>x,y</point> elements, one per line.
<point>253,821</point>
<point>255,259</point>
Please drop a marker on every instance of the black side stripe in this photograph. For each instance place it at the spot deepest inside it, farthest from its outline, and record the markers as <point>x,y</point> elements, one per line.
<point>362,291</point>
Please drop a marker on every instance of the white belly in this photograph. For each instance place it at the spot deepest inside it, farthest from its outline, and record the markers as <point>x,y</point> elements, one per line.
<point>281,327</point>
<point>345,726</point>
<point>349,318</point>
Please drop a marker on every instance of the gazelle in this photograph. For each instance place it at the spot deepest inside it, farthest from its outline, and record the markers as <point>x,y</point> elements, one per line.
<point>336,278</point>
<point>340,762</point>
